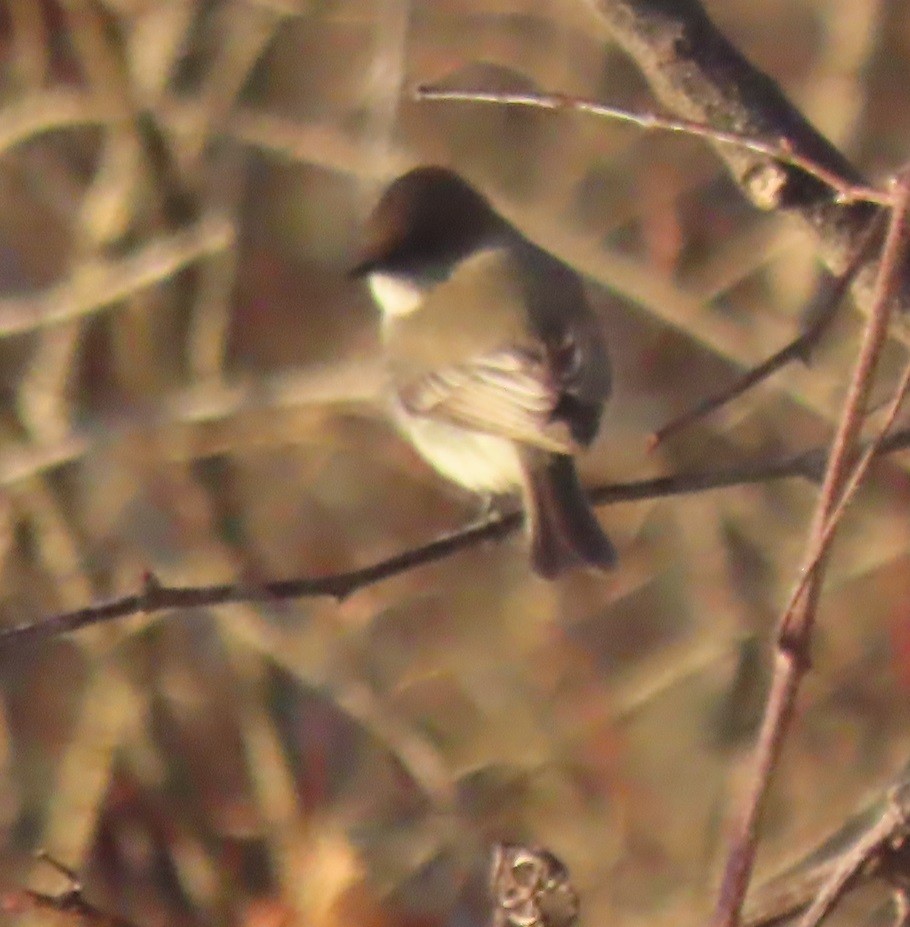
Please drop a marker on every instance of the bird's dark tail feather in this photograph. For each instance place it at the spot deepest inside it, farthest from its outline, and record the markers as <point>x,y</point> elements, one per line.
<point>564,530</point>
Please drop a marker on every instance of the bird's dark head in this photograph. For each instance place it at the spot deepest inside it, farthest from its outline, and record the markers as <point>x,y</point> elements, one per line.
<point>425,222</point>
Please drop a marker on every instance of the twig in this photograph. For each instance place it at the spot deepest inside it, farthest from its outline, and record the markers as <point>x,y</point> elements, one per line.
<point>778,148</point>
<point>795,350</point>
<point>787,895</point>
<point>70,903</point>
<point>823,544</point>
<point>795,628</point>
<point>892,824</point>
<point>107,281</point>
<point>156,597</point>
<point>48,111</point>
<point>696,72</point>
<point>67,872</point>
<point>869,845</point>
<point>817,315</point>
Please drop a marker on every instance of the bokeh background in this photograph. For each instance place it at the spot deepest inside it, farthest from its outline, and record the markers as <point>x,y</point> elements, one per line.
<point>189,386</point>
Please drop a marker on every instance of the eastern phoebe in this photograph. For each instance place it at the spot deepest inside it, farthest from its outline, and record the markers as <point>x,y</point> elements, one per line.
<point>498,364</point>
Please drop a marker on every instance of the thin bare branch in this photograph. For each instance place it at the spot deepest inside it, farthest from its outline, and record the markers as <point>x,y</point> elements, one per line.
<point>860,471</point>
<point>107,281</point>
<point>893,822</point>
<point>780,149</point>
<point>157,597</point>
<point>696,73</point>
<point>70,903</point>
<point>48,111</point>
<point>868,845</point>
<point>817,315</point>
<point>795,628</point>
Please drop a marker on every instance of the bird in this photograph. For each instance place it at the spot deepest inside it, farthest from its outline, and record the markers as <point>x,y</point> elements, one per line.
<point>498,365</point>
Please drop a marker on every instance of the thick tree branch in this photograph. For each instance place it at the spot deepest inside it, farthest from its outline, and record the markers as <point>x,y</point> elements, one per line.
<point>698,74</point>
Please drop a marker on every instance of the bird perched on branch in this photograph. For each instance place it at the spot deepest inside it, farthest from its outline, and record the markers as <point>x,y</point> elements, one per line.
<point>498,364</point>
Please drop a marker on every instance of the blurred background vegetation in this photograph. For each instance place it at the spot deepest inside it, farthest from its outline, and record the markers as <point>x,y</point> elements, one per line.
<point>189,387</point>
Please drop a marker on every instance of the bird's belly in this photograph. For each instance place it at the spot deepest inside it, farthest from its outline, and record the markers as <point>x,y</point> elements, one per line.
<point>479,462</point>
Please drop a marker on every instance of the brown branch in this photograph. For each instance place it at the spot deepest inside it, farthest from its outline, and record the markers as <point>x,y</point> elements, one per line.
<point>44,111</point>
<point>778,148</point>
<point>69,903</point>
<point>108,281</point>
<point>796,624</point>
<point>823,543</point>
<point>795,350</point>
<point>788,895</point>
<point>817,316</point>
<point>156,597</point>
<point>869,845</point>
<point>697,74</point>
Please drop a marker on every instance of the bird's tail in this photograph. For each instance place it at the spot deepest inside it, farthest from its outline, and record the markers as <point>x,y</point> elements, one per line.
<point>564,530</point>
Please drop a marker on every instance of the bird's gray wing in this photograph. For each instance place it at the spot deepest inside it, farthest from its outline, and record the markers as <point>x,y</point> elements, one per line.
<point>509,392</point>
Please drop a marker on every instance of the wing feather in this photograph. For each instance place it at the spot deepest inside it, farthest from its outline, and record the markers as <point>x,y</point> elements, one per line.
<point>508,393</point>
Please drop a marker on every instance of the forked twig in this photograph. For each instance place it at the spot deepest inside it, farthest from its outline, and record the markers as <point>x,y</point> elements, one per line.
<point>795,350</point>
<point>796,624</point>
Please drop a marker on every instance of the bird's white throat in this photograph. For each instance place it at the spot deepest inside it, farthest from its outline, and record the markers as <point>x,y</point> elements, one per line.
<point>395,295</point>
